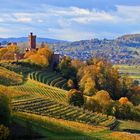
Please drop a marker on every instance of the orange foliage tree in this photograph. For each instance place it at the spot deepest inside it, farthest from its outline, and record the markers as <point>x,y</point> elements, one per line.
<point>40,57</point>
<point>123,100</point>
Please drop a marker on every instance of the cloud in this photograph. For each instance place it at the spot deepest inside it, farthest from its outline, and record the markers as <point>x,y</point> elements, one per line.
<point>71,23</point>
<point>4,30</point>
<point>128,13</point>
<point>70,34</point>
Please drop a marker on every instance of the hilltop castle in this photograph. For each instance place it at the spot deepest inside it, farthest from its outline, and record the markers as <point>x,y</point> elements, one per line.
<point>31,42</point>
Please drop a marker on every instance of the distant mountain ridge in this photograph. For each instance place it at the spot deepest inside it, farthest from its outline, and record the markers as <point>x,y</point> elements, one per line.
<point>132,37</point>
<point>25,39</point>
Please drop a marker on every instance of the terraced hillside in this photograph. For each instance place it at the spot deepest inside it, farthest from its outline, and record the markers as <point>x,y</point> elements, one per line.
<point>46,75</point>
<point>47,107</point>
<point>8,77</point>
<point>39,89</point>
<point>52,101</point>
<point>49,78</point>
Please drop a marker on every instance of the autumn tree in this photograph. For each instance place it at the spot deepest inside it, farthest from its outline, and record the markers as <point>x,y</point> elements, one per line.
<point>67,70</point>
<point>87,84</point>
<point>42,56</point>
<point>29,53</point>
<point>46,52</point>
<point>70,84</point>
<point>13,48</point>
<point>39,60</point>
<point>103,98</point>
<point>2,52</point>
<point>75,98</point>
<point>104,77</point>
<point>4,106</point>
<point>8,53</point>
<point>92,104</point>
<point>123,100</point>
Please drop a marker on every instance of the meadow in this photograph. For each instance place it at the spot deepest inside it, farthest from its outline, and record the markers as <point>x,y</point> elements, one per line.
<point>133,71</point>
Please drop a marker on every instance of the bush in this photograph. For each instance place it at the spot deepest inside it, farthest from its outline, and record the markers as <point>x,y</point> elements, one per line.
<point>75,98</point>
<point>103,99</point>
<point>123,100</point>
<point>123,111</point>
<point>4,106</point>
<point>92,104</point>
<point>4,132</point>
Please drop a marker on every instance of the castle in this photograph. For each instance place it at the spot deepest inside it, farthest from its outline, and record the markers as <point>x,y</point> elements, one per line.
<point>32,42</point>
<point>32,46</point>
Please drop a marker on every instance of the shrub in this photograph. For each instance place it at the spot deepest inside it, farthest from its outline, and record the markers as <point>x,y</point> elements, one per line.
<point>103,99</point>
<point>92,104</point>
<point>70,84</point>
<point>123,100</point>
<point>75,97</point>
<point>4,132</point>
<point>4,106</point>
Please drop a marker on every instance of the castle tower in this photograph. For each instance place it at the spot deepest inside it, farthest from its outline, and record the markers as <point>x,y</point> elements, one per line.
<point>31,41</point>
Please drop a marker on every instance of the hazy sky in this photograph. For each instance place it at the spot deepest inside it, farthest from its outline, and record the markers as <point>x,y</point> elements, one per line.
<point>69,19</point>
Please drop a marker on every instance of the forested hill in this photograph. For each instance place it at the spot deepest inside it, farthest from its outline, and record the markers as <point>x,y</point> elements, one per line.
<point>130,37</point>
<point>25,39</point>
<point>125,49</point>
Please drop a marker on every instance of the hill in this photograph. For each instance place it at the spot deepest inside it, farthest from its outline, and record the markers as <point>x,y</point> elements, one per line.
<point>130,37</point>
<point>25,39</point>
<point>122,50</point>
<point>8,77</point>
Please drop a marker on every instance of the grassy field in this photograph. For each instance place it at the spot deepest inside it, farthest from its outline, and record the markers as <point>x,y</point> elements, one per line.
<point>130,126</point>
<point>59,129</point>
<point>8,77</point>
<point>132,71</point>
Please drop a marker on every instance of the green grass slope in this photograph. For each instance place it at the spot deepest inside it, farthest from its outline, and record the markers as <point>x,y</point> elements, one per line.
<point>8,77</point>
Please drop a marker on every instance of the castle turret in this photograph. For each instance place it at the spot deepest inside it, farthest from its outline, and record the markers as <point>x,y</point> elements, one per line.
<point>31,41</point>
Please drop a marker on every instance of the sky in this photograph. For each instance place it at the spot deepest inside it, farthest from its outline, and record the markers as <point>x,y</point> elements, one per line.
<point>69,19</point>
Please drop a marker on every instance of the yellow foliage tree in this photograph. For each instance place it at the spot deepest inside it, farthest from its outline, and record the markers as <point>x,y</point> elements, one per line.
<point>123,100</point>
<point>89,86</point>
<point>13,48</point>
<point>39,60</point>
<point>45,51</point>
<point>29,53</point>
<point>102,97</point>
<point>70,84</point>
<point>2,52</point>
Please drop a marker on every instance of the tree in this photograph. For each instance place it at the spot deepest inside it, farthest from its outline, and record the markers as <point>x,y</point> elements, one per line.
<point>67,70</point>
<point>4,106</point>
<point>123,100</point>
<point>2,52</point>
<point>103,98</point>
<point>13,48</point>
<point>4,132</point>
<point>39,60</point>
<point>75,97</point>
<point>92,104</point>
<point>46,52</point>
<point>89,88</point>
<point>29,53</point>
<point>70,84</point>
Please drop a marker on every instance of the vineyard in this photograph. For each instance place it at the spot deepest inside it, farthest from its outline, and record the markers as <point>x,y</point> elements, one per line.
<point>47,107</point>
<point>51,101</point>
<point>49,78</point>
<point>9,78</point>
<point>40,95</point>
<point>46,76</point>
<point>39,89</point>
